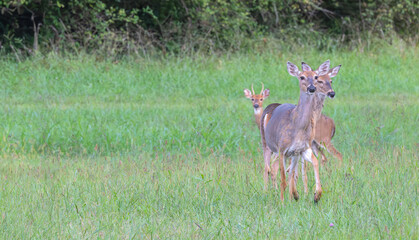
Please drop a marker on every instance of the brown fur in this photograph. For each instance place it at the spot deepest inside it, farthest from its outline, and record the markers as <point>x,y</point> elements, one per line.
<point>325,131</point>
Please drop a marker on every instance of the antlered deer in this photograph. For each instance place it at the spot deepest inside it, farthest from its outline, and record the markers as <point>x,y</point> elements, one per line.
<point>257,102</point>
<point>291,129</point>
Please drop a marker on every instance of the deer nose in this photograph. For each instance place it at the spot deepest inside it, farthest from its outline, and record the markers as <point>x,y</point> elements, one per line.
<point>256,105</point>
<point>331,94</point>
<point>311,88</point>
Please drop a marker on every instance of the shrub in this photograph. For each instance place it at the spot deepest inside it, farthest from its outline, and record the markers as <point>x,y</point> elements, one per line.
<point>127,26</point>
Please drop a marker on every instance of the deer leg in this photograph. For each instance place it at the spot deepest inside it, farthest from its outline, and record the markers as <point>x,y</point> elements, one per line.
<point>274,157</point>
<point>317,147</point>
<point>319,189</point>
<point>304,174</point>
<point>282,170</point>
<point>330,148</point>
<point>324,159</point>
<point>296,195</point>
<point>267,157</point>
<point>275,168</point>
<point>293,178</point>
<point>279,164</point>
<point>309,156</point>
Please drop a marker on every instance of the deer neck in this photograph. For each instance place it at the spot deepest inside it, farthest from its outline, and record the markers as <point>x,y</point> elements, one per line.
<point>318,105</point>
<point>258,115</point>
<point>304,113</point>
<point>303,120</point>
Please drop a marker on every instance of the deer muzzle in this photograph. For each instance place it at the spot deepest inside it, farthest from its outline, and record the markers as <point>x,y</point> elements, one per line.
<point>331,94</point>
<point>311,88</point>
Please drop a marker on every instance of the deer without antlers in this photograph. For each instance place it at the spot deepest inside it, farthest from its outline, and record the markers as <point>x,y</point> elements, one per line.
<point>291,129</point>
<point>325,128</point>
<point>257,102</point>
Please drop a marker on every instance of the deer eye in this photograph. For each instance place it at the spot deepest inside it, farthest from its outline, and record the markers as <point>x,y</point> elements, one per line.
<point>302,77</point>
<point>316,77</point>
<point>261,99</point>
<point>320,81</point>
<point>253,99</point>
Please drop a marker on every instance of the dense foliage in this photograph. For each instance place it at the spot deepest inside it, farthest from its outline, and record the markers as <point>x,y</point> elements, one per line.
<point>126,26</point>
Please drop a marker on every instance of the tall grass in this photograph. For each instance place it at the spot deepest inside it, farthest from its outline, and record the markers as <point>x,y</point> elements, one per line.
<point>148,148</point>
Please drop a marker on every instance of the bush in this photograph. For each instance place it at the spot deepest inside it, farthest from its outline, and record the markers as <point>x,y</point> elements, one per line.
<point>127,26</point>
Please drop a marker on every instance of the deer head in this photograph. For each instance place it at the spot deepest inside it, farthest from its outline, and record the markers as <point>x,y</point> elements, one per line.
<point>309,79</point>
<point>257,99</point>
<point>327,80</point>
<point>324,81</point>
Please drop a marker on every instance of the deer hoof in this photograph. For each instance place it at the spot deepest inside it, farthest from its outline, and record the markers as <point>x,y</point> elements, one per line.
<point>317,196</point>
<point>296,196</point>
<point>268,169</point>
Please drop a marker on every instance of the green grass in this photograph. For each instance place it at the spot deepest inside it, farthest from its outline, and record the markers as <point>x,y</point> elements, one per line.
<point>147,148</point>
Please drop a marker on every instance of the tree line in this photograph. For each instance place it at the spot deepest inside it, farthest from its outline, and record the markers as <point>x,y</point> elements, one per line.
<point>141,26</point>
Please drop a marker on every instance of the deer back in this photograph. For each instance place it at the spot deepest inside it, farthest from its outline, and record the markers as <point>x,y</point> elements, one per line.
<point>279,130</point>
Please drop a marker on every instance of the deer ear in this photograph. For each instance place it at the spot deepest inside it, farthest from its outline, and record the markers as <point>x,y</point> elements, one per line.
<point>305,67</point>
<point>292,69</point>
<point>266,93</point>
<point>324,68</point>
<point>334,71</point>
<point>247,93</point>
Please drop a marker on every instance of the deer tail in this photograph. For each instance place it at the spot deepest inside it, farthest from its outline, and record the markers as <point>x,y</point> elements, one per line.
<point>262,128</point>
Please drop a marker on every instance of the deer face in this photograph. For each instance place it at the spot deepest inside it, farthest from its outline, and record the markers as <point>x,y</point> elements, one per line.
<point>324,82</point>
<point>257,99</point>
<point>309,79</point>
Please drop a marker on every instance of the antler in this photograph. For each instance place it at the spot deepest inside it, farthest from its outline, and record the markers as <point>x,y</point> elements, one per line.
<point>253,91</point>
<point>262,89</point>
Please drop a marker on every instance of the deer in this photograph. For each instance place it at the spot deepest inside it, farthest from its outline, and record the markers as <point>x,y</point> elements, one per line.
<point>325,130</point>
<point>257,102</point>
<point>291,128</point>
<point>325,127</point>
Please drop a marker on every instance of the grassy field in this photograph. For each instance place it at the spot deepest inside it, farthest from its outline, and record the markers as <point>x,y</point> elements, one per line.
<point>167,148</point>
